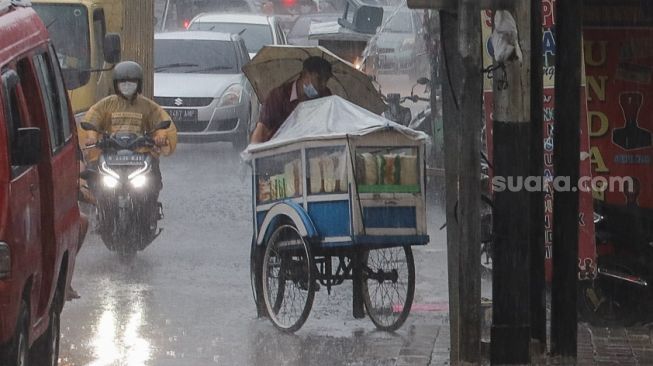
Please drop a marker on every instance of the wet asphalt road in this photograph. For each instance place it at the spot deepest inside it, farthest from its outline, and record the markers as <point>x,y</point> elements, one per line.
<point>186,300</point>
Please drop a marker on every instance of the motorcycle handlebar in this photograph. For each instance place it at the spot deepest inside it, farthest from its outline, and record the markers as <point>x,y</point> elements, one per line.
<point>414,99</point>
<point>109,142</point>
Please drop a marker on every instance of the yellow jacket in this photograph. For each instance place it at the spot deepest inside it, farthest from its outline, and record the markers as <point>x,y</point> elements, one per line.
<point>117,114</point>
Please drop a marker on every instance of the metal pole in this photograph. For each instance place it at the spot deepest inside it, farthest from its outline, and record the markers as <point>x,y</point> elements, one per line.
<point>471,115</point>
<point>566,164</point>
<point>538,289</point>
<point>511,331</point>
<point>451,91</point>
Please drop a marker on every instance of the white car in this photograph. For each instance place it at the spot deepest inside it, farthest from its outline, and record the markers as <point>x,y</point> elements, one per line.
<point>256,30</point>
<point>199,82</point>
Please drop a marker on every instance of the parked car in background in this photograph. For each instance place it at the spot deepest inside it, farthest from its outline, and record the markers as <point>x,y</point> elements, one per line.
<point>256,30</point>
<point>299,32</point>
<point>40,224</point>
<point>199,82</point>
<point>399,46</point>
<point>188,9</point>
<point>287,7</point>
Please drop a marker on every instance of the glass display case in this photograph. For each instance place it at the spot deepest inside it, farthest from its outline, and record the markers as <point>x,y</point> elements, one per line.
<point>387,170</point>
<point>279,177</point>
<point>327,170</point>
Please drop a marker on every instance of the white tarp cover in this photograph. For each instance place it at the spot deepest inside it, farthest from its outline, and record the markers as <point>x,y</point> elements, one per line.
<point>329,118</point>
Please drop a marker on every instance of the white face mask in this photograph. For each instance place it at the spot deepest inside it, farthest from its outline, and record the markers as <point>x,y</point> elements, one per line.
<point>127,88</point>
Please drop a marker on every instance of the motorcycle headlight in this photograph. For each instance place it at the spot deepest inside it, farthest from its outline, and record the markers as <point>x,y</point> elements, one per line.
<point>231,96</point>
<point>139,181</point>
<point>110,182</point>
<point>105,169</point>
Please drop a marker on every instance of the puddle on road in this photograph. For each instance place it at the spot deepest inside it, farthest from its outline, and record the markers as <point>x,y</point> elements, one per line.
<point>118,338</point>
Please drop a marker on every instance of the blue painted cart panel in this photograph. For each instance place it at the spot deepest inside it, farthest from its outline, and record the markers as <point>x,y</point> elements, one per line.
<point>331,218</point>
<point>390,217</point>
<point>382,241</point>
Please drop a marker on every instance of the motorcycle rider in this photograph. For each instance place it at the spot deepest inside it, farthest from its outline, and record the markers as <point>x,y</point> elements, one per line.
<point>129,111</point>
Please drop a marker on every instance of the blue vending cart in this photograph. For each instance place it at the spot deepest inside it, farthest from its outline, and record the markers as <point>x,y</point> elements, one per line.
<point>338,194</point>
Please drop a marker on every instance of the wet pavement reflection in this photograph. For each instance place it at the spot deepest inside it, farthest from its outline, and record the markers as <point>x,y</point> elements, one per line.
<point>118,337</point>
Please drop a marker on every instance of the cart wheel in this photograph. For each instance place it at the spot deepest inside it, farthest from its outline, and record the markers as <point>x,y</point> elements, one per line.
<point>255,271</point>
<point>288,278</point>
<point>388,286</point>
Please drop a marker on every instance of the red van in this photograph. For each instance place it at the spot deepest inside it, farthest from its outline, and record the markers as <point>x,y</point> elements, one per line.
<point>40,222</point>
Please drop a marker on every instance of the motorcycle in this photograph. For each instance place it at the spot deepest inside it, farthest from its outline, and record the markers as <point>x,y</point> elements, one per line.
<point>621,293</point>
<point>396,112</point>
<point>125,185</point>
<point>423,121</point>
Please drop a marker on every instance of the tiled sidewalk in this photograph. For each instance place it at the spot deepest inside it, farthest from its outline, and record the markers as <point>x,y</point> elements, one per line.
<point>596,346</point>
<point>615,346</point>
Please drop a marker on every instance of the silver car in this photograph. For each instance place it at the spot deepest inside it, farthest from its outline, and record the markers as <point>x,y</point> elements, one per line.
<point>256,30</point>
<point>199,82</point>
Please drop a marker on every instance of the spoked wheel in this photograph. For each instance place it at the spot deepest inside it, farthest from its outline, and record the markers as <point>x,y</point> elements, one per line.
<point>388,286</point>
<point>288,278</point>
<point>255,271</point>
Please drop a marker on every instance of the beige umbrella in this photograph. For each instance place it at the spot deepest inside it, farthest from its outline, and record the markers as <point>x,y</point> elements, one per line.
<point>275,65</point>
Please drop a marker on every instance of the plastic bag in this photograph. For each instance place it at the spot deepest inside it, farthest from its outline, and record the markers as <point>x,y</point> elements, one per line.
<point>505,39</point>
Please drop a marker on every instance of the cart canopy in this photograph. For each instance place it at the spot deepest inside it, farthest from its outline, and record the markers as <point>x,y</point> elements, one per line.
<point>329,118</point>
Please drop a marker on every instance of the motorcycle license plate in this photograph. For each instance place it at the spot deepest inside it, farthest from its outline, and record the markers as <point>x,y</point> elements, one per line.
<point>135,159</point>
<point>183,115</point>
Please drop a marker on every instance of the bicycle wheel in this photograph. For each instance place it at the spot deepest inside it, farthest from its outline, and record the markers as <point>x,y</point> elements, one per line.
<point>288,278</point>
<point>388,286</point>
<point>255,265</point>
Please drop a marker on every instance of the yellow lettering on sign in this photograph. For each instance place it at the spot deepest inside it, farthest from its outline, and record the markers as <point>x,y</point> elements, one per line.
<point>597,160</point>
<point>596,87</point>
<point>603,124</point>
<point>590,54</point>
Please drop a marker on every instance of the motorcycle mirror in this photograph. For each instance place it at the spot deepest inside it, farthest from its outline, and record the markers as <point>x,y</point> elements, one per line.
<point>88,126</point>
<point>423,81</point>
<point>162,125</point>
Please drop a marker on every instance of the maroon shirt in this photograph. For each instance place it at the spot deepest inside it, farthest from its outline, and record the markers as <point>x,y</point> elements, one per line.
<point>280,103</point>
